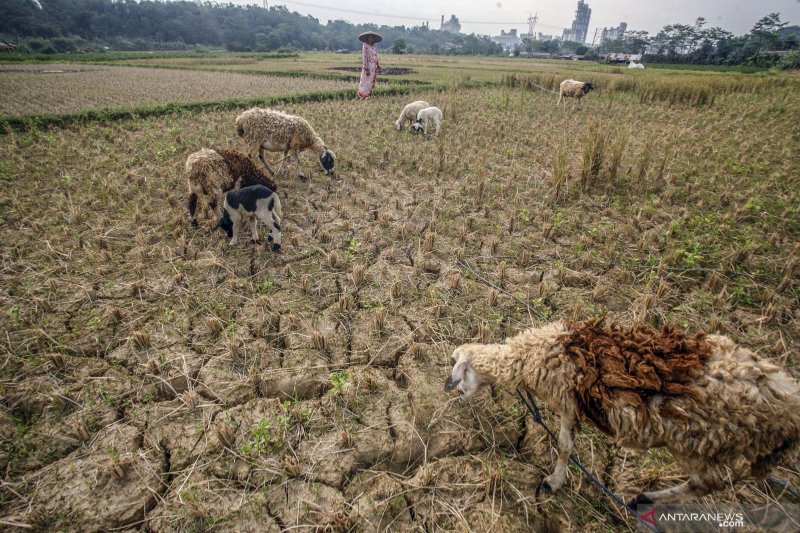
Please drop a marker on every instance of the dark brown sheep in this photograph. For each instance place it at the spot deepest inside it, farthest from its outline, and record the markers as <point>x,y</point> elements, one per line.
<point>212,173</point>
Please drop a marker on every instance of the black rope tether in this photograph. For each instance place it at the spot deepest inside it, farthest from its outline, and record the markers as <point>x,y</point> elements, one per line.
<point>530,403</point>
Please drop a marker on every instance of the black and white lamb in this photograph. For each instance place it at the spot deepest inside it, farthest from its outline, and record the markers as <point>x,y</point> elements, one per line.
<point>212,173</point>
<point>251,203</point>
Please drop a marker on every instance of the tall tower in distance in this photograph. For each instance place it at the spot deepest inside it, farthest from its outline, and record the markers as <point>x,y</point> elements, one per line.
<point>580,26</point>
<point>532,20</point>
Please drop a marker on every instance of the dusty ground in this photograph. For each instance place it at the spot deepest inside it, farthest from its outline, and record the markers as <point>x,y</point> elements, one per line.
<point>156,379</point>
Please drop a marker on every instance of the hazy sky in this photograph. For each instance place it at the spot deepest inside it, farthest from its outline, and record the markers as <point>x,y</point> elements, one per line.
<point>489,17</point>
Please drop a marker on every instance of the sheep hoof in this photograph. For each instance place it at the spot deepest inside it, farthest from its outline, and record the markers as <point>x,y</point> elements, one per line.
<point>543,485</point>
<point>269,238</point>
<point>276,248</point>
<point>302,177</point>
<point>254,241</point>
<point>640,499</point>
<point>194,223</point>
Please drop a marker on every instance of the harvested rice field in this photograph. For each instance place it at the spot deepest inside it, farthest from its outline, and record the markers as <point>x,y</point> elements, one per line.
<point>68,88</point>
<point>154,378</point>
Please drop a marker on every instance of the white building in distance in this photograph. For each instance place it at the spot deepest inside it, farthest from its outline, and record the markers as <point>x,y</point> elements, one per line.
<point>612,34</point>
<point>508,40</point>
<point>452,25</point>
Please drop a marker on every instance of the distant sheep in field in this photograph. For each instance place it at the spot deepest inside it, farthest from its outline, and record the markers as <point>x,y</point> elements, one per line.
<point>274,131</point>
<point>253,203</point>
<point>212,173</point>
<point>409,113</point>
<point>425,117</point>
<point>634,64</point>
<point>573,89</point>
<point>724,413</point>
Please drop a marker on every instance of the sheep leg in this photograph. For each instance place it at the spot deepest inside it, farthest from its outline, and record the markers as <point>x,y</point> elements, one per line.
<point>438,125</point>
<point>264,160</point>
<point>710,479</point>
<point>273,222</point>
<point>213,203</point>
<point>560,97</point>
<point>300,175</point>
<point>236,219</point>
<point>193,208</point>
<point>566,441</point>
<point>253,230</point>
<point>677,493</point>
<point>283,159</point>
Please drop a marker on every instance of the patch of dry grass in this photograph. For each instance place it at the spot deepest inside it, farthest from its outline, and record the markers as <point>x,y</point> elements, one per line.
<point>211,384</point>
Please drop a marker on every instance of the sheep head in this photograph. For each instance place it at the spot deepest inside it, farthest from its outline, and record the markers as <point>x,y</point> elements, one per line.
<point>226,224</point>
<point>240,121</point>
<point>464,377</point>
<point>587,87</point>
<point>328,160</point>
<point>418,126</point>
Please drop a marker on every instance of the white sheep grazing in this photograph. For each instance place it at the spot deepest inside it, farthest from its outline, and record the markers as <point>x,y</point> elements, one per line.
<point>275,131</point>
<point>409,113</point>
<point>425,117</point>
<point>724,413</point>
<point>573,89</point>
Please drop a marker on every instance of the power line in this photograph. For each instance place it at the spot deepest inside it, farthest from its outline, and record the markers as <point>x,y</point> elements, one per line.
<point>406,17</point>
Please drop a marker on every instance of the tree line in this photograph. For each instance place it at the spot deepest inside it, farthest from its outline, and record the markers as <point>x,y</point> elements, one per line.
<point>58,26</point>
<point>698,44</point>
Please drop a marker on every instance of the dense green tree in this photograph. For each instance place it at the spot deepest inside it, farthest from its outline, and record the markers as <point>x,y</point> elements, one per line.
<point>399,46</point>
<point>766,31</point>
<point>162,24</point>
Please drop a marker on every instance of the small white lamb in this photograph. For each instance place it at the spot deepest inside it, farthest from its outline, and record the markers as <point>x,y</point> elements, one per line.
<point>424,118</point>
<point>409,113</point>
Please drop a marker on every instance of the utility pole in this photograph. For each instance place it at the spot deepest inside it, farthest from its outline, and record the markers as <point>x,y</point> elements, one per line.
<point>595,36</point>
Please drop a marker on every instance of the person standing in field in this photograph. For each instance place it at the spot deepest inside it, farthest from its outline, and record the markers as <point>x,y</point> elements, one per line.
<point>370,67</point>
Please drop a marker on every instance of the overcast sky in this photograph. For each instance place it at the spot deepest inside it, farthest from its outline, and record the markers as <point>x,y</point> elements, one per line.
<point>489,17</point>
